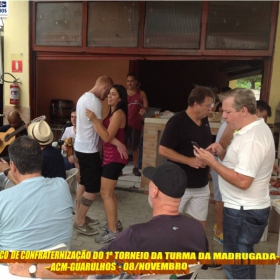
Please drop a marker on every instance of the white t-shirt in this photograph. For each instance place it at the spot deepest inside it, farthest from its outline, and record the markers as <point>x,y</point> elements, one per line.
<point>69,132</point>
<point>87,140</point>
<point>251,153</point>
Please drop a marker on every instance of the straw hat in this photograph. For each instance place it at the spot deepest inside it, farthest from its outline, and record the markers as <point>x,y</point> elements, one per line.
<point>41,132</point>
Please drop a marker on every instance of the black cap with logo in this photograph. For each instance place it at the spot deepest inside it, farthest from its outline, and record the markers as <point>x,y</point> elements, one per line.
<point>170,178</point>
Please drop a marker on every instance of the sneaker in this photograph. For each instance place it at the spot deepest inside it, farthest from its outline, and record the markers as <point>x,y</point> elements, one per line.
<point>135,171</point>
<point>219,238</point>
<point>91,222</point>
<point>106,236</point>
<point>215,228</point>
<point>85,229</point>
<point>119,226</point>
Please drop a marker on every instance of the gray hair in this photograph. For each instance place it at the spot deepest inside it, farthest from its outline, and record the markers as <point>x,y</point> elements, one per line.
<point>26,155</point>
<point>242,98</point>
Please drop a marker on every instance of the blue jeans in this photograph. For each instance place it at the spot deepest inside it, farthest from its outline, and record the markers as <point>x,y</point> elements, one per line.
<point>242,230</point>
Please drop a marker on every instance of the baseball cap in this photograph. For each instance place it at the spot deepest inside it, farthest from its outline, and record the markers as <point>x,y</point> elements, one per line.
<point>170,178</point>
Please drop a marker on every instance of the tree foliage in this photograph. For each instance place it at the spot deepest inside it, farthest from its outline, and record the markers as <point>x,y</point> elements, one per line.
<point>253,82</point>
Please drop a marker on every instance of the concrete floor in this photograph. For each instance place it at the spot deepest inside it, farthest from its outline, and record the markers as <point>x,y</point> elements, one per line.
<point>133,208</point>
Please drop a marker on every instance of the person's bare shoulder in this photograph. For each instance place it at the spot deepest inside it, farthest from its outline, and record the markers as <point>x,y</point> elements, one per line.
<point>142,93</point>
<point>118,114</point>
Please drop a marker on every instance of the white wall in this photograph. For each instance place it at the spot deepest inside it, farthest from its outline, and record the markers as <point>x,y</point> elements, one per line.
<point>16,45</point>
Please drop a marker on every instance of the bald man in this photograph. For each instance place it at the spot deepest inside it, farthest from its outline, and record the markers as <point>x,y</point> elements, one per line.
<point>15,122</point>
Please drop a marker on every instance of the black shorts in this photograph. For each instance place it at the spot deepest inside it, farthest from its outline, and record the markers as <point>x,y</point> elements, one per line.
<point>112,170</point>
<point>132,136</point>
<point>90,171</point>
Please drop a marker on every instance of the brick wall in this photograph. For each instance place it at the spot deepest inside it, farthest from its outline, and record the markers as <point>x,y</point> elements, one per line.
<point>153,129</point>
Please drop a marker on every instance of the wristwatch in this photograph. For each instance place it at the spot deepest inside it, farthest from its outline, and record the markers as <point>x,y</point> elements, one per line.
<point>32,270</point>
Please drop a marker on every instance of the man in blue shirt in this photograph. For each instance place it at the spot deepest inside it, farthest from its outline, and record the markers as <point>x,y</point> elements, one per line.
<point>37,212</point>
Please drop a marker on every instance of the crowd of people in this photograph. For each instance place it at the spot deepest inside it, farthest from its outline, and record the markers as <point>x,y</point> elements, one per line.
<point>241,161</point>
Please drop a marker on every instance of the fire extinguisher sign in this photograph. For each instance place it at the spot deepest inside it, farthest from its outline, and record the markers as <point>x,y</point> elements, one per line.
<point>17,66</point>
<point>3,8</point>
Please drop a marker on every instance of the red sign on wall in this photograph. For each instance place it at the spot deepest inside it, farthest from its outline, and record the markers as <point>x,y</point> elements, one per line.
<point>16,65</point>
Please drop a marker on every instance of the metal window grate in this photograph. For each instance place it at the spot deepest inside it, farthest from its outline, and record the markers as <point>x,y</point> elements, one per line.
<point>59,24</point>
<point>113,24</point>
<point>237,25</point>
<point>173,24</point>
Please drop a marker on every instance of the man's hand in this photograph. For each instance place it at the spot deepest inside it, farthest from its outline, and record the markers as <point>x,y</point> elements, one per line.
<point>196,163</point>
<point>216,149</point>
<point>64,147</point>
<point>73,159</point>
<point>204,156</point>
<point>4,165</point>
<point>20,269</point>
<point>123,151</point>
<point>142,112</point>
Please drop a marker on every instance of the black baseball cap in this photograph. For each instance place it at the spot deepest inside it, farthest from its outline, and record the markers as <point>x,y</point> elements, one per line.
<point>170,178</point>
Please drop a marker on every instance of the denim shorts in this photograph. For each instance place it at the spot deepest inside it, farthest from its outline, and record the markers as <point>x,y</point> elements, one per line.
<point>242,230</point>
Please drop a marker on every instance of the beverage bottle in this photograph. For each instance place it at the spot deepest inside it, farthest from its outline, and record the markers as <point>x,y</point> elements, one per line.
<point>70,150</point>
